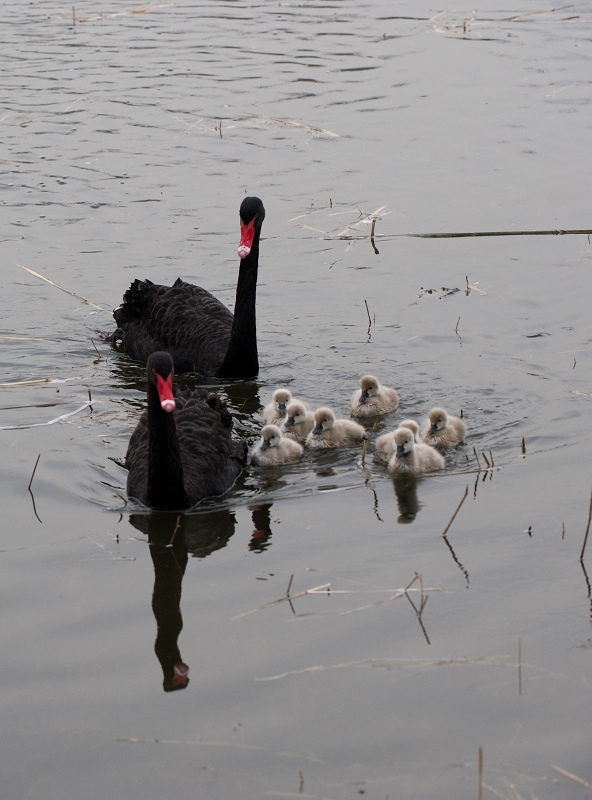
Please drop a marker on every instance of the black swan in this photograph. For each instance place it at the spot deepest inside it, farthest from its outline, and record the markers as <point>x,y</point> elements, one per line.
<point>181,450</point>
<point>193,326</point>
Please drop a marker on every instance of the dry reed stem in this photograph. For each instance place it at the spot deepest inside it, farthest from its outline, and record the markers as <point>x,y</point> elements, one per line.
<point>464,497</point>
<point>477,457</point>
<point>42,424</point>
<point>41,380</point>
<point>572,776</point>
<point>72,294</point>
<point>390,664</point>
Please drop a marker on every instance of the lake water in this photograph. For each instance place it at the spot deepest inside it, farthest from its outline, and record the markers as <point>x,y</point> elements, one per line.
<point>130,135</point>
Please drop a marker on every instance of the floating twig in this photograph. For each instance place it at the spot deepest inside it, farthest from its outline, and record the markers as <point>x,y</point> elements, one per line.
<point>456,512</point>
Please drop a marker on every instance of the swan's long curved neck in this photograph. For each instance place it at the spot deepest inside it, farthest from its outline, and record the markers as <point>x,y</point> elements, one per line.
<point>166,487</point>
<point>241,359</point>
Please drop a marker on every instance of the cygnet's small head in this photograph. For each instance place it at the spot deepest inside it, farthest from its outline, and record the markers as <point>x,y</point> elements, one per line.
<point>324,419</point>
<point>404,442</point>
<point>296,413</point>
<point>369,386</point>
<point>271,436</point>
<point>438,420</point>
<point>412,425</point>
<point>281,398</point>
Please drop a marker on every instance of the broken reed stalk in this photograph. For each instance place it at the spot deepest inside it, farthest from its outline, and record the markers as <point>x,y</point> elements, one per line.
<point>368,312</point>
<point>367,442</point>
<point>57,285</point>
<point>34,471</point>
<point>587,529</point>
<point>289,585</point>
<point>486,459</point>
<point>477,457</point>
<point>96,348</point>
<point>456,329</point>
<point>523,447</point>
<point>372,239</point>
<point>480,773</point>
<point>464,497</point>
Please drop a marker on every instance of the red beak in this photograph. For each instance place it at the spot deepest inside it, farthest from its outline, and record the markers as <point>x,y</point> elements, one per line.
<point>165,391</point>
<point>247,235</point>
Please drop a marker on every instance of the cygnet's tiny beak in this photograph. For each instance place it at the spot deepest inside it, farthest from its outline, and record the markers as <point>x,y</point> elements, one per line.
<point>289,422</point>
<point>318,429</point>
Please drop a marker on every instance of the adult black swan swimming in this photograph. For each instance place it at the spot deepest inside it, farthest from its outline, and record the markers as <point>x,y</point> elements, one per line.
<point>193,326</point>
<point>182,449</point>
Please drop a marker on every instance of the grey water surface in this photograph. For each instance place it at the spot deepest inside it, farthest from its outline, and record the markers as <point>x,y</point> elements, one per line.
<point>130,134</point>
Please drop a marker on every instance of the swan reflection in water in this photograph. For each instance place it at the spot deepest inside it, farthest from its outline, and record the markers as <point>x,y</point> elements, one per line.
<point>406,490</point>
<point>172,537</point>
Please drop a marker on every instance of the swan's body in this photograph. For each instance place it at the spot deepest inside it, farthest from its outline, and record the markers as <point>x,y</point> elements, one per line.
<point>193,326</point>
<point>442,428</point>
<point>372,399</point>
<point>385,444</point>
<point>331,432</point>
<point>275,412</point>
<point>181,450</point>
<point>413,459</point>
<point>299,422</point>
<point>274,449</point>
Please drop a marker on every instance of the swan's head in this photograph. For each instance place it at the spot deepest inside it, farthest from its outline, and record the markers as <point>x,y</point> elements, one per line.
<point>324,420</point>
<point>404,442</point>
<point>271,436</point>
<point>369,386</point>
<point>252,214</point>
<point>438,420</point>
<point>159,369</point>
<point>296,414</point>
<point>281,398</point>
<point>412,425</point>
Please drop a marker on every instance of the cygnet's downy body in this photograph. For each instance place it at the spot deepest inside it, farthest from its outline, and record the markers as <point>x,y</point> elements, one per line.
<point>331,432</point>
<point>442,428</point>
<point>385,444</point>
<point>299,422</point>
<point>275,412</point>
<point>372,399</point>
<point>411,458</point>
<point>274,449</point>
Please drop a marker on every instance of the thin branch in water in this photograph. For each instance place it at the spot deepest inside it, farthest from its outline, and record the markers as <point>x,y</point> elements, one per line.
<point>372,238</point>
<point>289,585</point>
<point>477,457</point>
<point>456,512</point>
<point>587,529</point>
<point>94,345</point>
<point>491,457</point>
<point>72,294</point>
<point>34,471</point>
<point>486,459</point>
<point>369,317</point>
<point>456,329</point>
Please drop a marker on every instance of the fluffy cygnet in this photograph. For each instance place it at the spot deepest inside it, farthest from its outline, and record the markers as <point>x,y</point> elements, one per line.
<point>373,399</point>
<point>441,428</point>
<point>411,458</point>
<point>273,449</point>
<point>299,422</point>
<point>331,432</point>
<point>385,444</point>
<point>275,412</point>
